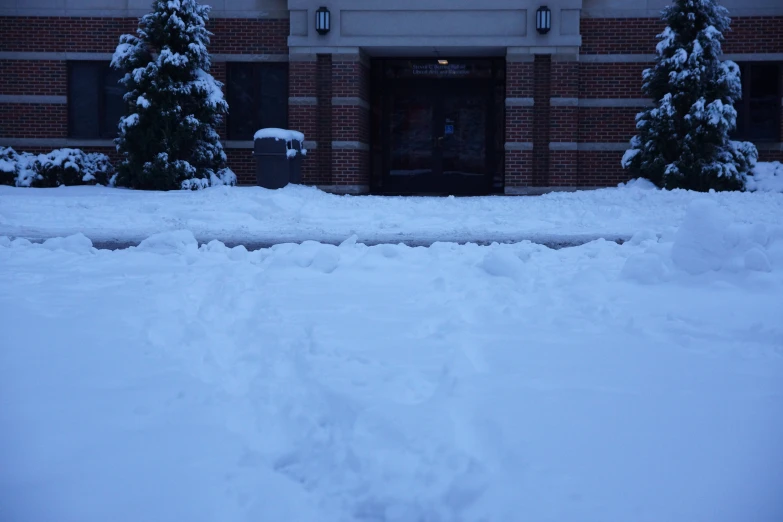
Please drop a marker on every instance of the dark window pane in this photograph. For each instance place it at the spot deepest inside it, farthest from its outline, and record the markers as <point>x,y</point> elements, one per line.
<point>274,96</point>
<point>240,101</point>
<point>762,121</point>
<point>84,84</point>
<point>764,81</point>
<point>758,113</point>
<point>114,106</point>
<point>257,97</point>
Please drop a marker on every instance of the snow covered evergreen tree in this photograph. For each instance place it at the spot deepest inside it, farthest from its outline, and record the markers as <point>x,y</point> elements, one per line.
<point>684,140</point>
<point>168,138</point>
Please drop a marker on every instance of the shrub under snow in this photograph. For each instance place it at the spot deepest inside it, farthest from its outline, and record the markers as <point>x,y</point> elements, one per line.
<point>59,167</point>
<point>767,177</point>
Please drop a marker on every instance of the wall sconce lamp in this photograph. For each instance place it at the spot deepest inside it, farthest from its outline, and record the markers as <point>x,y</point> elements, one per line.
<point>323,20</point>
<point>543,19</point>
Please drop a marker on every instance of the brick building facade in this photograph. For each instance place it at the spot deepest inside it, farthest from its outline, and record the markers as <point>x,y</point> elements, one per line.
<point>513,111</point>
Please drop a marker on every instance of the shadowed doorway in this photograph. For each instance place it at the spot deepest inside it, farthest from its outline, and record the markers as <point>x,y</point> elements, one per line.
<point>436,128</point>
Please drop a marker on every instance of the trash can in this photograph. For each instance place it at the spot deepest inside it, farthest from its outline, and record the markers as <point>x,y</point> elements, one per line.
<point>295,162</point>
<point>272,162</point>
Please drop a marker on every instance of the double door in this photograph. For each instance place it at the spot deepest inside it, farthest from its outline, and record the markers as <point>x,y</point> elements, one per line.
<point>438,137</point>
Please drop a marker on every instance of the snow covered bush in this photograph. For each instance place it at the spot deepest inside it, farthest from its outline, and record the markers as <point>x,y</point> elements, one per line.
<point>168,138</point>
<point>8,159</point>
<point>767,177</point>
<point>59,167</point>
<point>683,141</point>
<point>72,167</point>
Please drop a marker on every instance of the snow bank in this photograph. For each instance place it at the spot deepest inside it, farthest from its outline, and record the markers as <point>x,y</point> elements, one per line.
<point>297,213</point>
<point>767,177</point>
<point>78,243</point>
<point>709,240</point>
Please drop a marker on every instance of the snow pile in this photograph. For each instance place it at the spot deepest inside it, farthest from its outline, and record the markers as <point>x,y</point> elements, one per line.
<point>76,243</point>
<point>767,177</point>
<point>256,216</point>
<point>59,167</point>
<point>177,242</point>
<point>708,240</point>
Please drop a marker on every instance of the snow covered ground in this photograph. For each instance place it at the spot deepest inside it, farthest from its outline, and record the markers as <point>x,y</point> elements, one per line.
<point>251,215</point>
<point>640,382</point>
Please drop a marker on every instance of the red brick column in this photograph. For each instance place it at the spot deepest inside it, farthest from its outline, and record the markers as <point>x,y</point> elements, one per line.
<point>324,120</point>
<point>519,122</point>
<point>303,109</point>
<point>350,123</point>
<point>541,119</point>
<point>564,120</point>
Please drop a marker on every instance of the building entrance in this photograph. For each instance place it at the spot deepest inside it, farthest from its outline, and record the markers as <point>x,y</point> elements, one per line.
<point>435,127</point>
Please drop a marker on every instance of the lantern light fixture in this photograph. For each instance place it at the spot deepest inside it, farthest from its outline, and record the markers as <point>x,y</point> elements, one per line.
<point>543,19</point>
<point>322,20</point>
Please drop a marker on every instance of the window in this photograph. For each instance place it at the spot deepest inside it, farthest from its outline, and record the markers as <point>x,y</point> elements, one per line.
<point>758,113</point>
<point>95,103</point>
<point>257,98</point>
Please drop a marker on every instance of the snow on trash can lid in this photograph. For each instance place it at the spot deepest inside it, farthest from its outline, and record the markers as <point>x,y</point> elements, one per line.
<point>280,134</point>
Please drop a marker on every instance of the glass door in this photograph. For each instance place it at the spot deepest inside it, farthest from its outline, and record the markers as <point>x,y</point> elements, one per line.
<point>436,134</point>
<point>461,144</point>
<point>412,121</point>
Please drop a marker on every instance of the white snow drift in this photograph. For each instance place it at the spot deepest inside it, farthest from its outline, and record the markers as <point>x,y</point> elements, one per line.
<point>353,383</point>
<point>295,213</point>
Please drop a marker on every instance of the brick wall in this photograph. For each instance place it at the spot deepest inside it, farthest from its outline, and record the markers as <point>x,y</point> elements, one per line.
<point>33,120</point>
<point>600,168</point>
<point>619,35</point>
<point>519,124</point>
<point>623,80</point>
<point>249,36</point>
<point>752,34</point>
<point>320,168</point>
<point>350,123</point>
<point>40,77</point>
<point>611,80</point>
<point>242,162</point>
<point>350,167</point>
<point>542,68</point>
<point>95,35</point>
<point>302,81</point>
<point>607,124</point>
<point>755,34</point>
<point>60,34</point>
